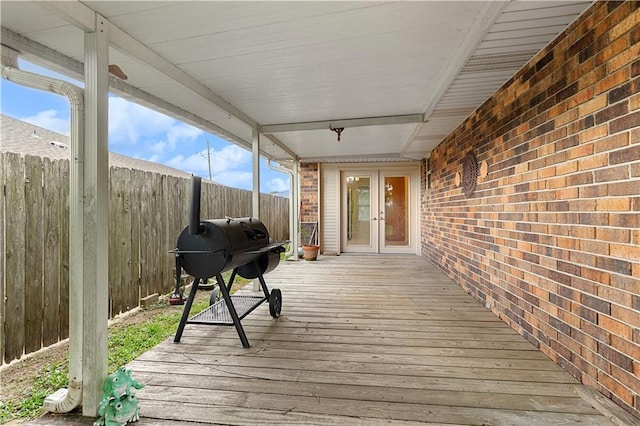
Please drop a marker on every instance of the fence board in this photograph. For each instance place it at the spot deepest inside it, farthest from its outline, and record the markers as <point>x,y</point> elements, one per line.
<point>15,257</point>
<point>3,183</point>
<point>33,265</point>
<point>134,266</point>
<point>145,234</point>
<point>147,213</point>
<point>51,292</point>
<point>157,229</point>
<point>130,298</point>
<point>166,267</point>
<point>63,309</point>
<point>113,265</point>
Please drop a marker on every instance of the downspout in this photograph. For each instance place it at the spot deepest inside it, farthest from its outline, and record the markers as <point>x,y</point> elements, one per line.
<point>64,400</point>
<point>293,205</point>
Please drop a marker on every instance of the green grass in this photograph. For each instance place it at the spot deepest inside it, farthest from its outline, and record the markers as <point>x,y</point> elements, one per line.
<point>124,345</point>
<point>128,343</point>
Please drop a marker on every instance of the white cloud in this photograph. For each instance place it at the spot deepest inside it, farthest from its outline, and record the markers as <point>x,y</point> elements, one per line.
<point>180,132</point>
<point>227,159</point>
<point>50,119</point>
<point>278,185</point>
<point>234,178</point>
<point>130,122</point>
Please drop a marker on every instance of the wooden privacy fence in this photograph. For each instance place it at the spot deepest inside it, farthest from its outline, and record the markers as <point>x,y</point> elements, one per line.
<point>147,211</point>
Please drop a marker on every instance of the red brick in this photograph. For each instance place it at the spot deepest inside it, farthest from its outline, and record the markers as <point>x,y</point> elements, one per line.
<point>615,295</point>
<point>616,388</point>
<point>596,104</point>
<point>611,173</point>
<point>624,123</point>
<point>613,79</point>
<point>624,220</point>
<point>614,235</point>
<point>614,111</point>
<point>595,132</point>
<point>612,142</point>
<point>593,162</point>
<point>614,204</point>
<point>634,102</point>
<point>629,252</point>
<point>626,315</point>
<point>627,187</point>
<point>624,58</point>
<point>596,275</point>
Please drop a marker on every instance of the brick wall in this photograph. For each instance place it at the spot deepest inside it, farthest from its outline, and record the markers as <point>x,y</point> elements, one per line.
<point>309,203</point>
<point>550,239</point>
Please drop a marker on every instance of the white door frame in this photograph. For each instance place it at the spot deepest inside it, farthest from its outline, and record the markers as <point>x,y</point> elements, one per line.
<point>412,210</point>
<point>377,173</point>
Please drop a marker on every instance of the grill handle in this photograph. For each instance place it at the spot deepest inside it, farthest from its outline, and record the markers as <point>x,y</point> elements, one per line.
<point>194,213</point>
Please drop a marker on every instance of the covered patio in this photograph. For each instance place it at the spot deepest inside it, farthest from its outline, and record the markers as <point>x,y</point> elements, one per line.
<point>515,128</point>
<point>361,340</point>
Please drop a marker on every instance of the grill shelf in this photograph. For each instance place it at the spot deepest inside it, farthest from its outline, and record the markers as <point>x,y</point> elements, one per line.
<point>218,313</point>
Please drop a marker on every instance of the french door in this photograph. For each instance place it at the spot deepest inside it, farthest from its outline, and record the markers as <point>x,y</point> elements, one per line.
<point>377,211</point>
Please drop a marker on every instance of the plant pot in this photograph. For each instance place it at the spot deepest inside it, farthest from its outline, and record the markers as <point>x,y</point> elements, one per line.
<point>310,252</point>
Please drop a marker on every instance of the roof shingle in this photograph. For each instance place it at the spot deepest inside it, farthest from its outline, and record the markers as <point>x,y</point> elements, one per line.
<point>28,139</point>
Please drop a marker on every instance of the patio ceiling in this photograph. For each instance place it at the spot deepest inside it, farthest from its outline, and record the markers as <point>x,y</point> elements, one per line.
<point>398,76</point>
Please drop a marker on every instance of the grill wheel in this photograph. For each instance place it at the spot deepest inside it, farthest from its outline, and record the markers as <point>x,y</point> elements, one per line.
<point>275,302</point>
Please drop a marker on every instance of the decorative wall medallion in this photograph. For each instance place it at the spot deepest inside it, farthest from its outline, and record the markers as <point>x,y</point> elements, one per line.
<point>457,179</point>
<point>484,170</point>
<point>469,174</point>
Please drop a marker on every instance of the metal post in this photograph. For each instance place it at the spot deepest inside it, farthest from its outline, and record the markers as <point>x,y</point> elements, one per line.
<point>256,174</point>
<point>209,159</point>
<point>256,185</point>
<point>96,209</point>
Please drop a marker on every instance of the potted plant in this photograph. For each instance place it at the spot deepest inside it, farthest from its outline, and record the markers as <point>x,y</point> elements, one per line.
<point>310,251</point>
<point>309,240</point>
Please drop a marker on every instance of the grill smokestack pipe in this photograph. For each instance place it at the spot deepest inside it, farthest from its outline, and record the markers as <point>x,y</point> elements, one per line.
<point>194,216</point>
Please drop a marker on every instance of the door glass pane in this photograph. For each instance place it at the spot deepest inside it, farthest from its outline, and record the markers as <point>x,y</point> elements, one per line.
<point>358,210</point>
<point>396,210</point>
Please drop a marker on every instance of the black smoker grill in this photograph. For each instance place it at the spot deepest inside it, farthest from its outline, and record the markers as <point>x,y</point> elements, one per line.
<point>208,248</point>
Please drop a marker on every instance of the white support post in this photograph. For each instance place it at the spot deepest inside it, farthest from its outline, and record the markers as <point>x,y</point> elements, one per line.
<point>255,148</point>
<point>96,214</point>
<point>255,145</point>
<point>295,200</point>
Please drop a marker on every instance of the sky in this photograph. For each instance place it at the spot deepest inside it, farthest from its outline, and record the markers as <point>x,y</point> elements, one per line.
<point>139,132</point>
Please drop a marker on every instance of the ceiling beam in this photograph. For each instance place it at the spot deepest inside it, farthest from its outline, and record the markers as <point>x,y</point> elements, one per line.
<point>43,55</point>
<point>277,142</point>
<point>350,158</point>
<point>75,13</point>
<point>350,122</point>
<point>81,17</point>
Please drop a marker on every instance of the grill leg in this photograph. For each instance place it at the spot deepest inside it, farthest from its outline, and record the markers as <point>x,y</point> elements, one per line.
<point>232,309</point>
<point>263,284</point>
<point>187,309</point>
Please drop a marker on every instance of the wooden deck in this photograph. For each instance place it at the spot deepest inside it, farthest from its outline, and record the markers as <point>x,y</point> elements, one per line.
<point>362,340</point>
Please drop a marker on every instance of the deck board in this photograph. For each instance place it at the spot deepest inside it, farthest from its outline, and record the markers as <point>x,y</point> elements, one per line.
<point>361,340</point>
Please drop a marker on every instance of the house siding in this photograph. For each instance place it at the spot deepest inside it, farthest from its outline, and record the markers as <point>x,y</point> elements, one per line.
<point>330,211</point>
<point>550,239</point>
